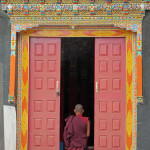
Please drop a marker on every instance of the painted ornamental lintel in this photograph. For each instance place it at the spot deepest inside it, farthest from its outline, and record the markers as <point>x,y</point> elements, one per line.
<point>126,9</point>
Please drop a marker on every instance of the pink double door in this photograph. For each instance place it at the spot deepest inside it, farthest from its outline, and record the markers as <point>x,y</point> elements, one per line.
<point>109,94</point>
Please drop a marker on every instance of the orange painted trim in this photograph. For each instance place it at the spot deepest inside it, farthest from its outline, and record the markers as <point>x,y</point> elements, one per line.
<point>139,66</point>
<point>139,75</point>
<point>11,96</point>
<point>12,75</point>
<point>25,76</point>
<point>129,84</point>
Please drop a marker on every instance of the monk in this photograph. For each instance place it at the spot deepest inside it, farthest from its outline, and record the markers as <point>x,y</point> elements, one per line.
<point>77,130</point>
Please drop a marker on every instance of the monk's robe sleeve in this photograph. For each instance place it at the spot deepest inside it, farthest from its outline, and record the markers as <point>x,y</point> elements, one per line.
<point>70,131</point>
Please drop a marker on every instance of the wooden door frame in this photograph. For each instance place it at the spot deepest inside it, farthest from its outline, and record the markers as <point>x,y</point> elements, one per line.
<point>23,76</point>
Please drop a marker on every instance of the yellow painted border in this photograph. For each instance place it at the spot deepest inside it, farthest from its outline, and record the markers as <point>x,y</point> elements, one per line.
<point>77,33</point>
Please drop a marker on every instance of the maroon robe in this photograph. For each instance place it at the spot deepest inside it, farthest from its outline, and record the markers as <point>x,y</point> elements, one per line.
<point>75,133</point>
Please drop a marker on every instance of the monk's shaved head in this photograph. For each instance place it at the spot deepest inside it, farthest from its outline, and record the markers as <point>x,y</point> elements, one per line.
<point>78,108</point>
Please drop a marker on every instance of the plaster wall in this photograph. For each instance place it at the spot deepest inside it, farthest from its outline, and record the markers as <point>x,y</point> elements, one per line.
<point>1,110</point>
<point>9,127</point>
<point>5,30</point>
<point>4,69</point>
<point>143,111</point>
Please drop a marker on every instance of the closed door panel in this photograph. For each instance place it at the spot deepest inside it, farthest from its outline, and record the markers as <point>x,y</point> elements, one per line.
<point>44,103</point>
<point>110,93</point>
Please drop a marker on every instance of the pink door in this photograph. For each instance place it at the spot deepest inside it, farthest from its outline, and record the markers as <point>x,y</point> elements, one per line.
<point>44,103</point>
<point>110,93</point>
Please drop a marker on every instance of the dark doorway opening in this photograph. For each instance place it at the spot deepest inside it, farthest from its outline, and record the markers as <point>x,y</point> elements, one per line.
<point>77,79</point>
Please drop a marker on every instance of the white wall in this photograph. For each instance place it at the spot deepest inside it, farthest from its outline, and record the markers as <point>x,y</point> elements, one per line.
<point>9,127</point>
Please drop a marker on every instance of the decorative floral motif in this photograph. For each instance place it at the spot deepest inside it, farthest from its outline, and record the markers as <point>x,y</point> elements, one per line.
<point>75,9</point>
<point>58,1</point>
<point>25,1</point>
<point>25,9</point>
<point>75,1</point>
<point>108,1</point>
<point>3,1</point>
<point>41,1</point>
<point>92,9</point>
<point>140,100</point>
<point>11,100</point>
<point>92,1</point>
<point>125,1</point>
<point>58,9</point>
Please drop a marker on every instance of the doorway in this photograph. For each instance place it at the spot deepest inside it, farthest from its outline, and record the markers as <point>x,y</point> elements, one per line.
<point>77,80</point>
<point>119,119</point>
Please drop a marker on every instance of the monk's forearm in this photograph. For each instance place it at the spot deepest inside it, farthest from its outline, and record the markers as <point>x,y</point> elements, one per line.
<point>88,128</point>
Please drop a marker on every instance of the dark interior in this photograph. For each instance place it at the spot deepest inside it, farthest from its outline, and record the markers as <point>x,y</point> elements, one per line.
<point>77,79</point>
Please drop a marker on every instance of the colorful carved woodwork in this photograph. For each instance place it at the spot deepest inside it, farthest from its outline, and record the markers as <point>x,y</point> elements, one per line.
<point>108,1</point>
<point>25,1</point>
<point>3,1</point>
<point>75,1</point>
<point>92,1</point>
<point>41,1</point>
<point>58,1</point>
<point>25,9</point>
